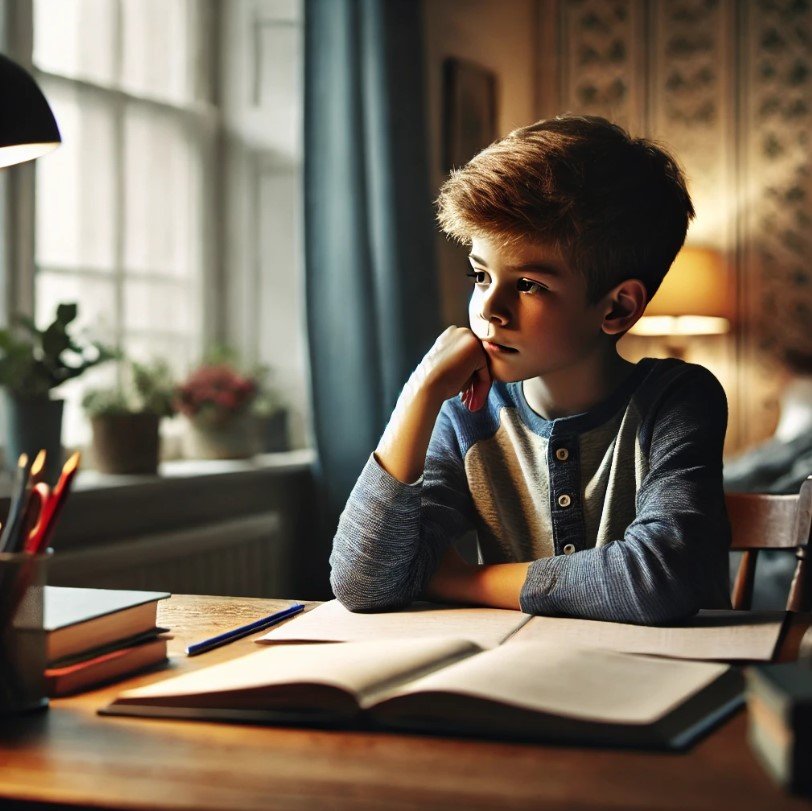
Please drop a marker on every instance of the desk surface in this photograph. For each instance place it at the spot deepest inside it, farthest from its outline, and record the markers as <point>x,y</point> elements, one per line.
<point>70,755</point>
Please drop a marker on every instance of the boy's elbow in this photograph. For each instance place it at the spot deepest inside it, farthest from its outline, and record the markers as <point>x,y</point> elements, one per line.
<point>674,608</point>
<point>354,597</point>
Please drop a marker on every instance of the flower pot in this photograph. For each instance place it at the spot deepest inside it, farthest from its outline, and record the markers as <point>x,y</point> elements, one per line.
<point>272,431</point>
<point>32,425</point>
<point>126,443</point>
<point>234,437</point>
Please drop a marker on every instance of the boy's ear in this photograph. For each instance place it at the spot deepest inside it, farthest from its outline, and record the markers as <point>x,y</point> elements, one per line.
<point>624,304</point>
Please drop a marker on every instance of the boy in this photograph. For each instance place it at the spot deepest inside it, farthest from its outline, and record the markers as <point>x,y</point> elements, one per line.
<point>594,484</point>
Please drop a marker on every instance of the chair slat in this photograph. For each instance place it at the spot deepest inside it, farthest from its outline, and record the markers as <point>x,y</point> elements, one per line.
<point>760,521</point>
<point>742,597</point>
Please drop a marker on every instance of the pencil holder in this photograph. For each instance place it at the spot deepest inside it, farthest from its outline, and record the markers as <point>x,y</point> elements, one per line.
<point>22,632</point>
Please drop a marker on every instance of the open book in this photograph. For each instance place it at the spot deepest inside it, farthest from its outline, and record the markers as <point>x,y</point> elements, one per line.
<point>744,636</point>
<point>533,691</point>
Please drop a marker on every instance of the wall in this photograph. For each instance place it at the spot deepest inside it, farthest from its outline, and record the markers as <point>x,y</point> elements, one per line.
<point>727,86</point>
<point>498,36</point>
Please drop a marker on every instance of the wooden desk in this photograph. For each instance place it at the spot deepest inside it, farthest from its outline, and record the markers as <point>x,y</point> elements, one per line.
<point>71,756</point>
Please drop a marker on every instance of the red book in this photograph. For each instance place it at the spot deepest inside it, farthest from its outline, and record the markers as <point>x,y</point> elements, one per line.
<point>62,681</point>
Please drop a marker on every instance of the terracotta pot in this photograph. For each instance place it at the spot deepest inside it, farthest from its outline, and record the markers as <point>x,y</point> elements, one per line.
<point>126,443</point>
<point>233,438</point>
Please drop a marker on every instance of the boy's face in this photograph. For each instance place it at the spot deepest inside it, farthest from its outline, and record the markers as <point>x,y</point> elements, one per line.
<point>533,307</point>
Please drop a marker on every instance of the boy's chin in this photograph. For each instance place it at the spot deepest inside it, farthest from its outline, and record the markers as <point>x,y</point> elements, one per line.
<point>505,375</point>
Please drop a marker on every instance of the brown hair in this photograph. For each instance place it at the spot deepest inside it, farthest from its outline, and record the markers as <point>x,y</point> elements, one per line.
<point>616,206</point>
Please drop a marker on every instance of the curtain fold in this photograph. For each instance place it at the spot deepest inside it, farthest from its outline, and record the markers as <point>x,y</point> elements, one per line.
<point>370,281</point>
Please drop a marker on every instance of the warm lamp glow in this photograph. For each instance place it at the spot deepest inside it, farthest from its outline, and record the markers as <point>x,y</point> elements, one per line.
<point>11,155</point>
<point>694,298</point>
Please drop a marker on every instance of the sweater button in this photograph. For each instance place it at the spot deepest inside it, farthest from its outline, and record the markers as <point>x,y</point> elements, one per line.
<point>564,500</point>
<point>562,454</point>
<point>569,548</point>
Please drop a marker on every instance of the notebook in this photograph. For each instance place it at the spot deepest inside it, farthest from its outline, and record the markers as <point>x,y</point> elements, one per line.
<point>710,635</point>
<point>534,691</point>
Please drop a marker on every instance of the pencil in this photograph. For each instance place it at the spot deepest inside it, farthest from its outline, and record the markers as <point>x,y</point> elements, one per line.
<point>57,501</point>
<point>17,505</point>
<point>244,630</point>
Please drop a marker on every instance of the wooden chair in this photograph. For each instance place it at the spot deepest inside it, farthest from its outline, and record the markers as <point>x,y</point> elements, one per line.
<point>761,521</point>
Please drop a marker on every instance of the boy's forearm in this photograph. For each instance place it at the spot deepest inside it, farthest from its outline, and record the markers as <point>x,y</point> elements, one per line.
<point>496,585</point>
<point>402,448</point>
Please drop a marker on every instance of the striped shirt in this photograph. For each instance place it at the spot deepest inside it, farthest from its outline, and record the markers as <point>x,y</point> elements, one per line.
<point>620,509</point>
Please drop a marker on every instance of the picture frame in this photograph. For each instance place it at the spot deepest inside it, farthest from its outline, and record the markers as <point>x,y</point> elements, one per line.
<point>469,110</point>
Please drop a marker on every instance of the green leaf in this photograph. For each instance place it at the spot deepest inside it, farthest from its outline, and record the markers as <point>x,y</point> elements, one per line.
<point>55,341</point>
<point>65,313</point>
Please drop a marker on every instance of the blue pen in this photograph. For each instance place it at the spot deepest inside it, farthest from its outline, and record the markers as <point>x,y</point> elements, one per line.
<point>244,630</point>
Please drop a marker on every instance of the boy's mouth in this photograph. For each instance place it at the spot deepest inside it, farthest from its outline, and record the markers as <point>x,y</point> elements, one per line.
<point>498,348</point>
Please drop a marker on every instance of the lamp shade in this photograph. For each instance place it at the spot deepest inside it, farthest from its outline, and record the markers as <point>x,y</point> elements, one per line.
<point>27,126</point>
<point>694,298</point>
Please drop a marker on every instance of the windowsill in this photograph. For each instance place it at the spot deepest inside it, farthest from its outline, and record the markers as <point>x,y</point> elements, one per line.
<point>105,508</point>
<point>188,469</point>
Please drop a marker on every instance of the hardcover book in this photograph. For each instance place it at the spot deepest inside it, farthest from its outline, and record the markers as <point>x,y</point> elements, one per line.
<point>532,691</point>
<point>80,619</point>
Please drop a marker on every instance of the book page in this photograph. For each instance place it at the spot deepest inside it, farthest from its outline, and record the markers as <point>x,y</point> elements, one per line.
<point>711,634</point>
<point>354,668</point>
<point>331,622</point>
<point>583,683</point>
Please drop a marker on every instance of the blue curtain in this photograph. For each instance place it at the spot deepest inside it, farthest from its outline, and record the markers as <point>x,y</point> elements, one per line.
<point>371,287</point>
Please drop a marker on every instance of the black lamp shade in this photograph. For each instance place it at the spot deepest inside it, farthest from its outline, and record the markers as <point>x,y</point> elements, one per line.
<point>27,126</point>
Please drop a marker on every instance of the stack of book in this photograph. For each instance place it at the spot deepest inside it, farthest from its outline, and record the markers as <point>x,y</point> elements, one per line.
<point>99,635</point>
<point>779,703</point>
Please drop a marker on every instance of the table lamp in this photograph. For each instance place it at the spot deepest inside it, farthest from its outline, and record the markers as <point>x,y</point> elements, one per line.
<point>694,299</point>
<point>27,126</point>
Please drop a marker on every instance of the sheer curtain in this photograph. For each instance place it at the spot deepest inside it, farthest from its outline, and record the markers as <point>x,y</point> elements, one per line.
<point>371,289</point>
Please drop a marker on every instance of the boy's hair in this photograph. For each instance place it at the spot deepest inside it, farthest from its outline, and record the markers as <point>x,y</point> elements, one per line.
<point>615,206</point>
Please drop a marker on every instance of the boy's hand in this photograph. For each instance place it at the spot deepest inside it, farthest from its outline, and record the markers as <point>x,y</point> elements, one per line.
<point>457,364</point>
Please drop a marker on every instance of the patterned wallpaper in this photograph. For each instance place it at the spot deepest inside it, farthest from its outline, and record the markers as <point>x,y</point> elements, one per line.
<point>727,85</point>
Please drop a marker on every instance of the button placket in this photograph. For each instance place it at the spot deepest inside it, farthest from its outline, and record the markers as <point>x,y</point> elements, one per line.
<point>566,510</point>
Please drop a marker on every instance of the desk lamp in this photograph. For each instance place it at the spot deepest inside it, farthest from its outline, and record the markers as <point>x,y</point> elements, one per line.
<point>27,126</point>
<point>694,299</point>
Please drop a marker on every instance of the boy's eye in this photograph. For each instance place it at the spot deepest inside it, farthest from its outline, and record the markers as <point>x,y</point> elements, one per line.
<point>479,276</point>
<point>526,286</point>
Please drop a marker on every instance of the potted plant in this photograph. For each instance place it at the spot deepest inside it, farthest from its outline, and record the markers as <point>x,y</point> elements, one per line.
<point>33,363</point>
<point>126,419</point>
<point>216,399</point>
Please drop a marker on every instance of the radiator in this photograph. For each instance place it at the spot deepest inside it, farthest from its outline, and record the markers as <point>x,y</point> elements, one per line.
<point>242,557</point>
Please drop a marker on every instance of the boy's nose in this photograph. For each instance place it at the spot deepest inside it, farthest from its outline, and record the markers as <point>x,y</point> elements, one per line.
<point>494,309</point>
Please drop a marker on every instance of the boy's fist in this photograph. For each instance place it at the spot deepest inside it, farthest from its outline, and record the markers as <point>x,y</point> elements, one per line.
<point>457,364</point>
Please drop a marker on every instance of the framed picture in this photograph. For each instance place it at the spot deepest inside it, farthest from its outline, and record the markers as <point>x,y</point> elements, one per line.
<point>469,115</point>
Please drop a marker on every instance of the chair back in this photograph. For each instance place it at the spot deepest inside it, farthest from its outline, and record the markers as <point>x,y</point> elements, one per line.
<point>764,521</point>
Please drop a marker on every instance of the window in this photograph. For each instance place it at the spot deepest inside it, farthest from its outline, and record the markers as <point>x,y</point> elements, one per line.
<point>123,207</point>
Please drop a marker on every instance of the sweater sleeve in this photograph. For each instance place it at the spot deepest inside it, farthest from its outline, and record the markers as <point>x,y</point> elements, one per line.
<point>391,535</point>
<point>673,558</point>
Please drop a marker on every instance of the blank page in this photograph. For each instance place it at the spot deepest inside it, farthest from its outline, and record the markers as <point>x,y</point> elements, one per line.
<point>584,683</point>
<point>356,668</point>
<point>711,634</point>
<point>331,622</point>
